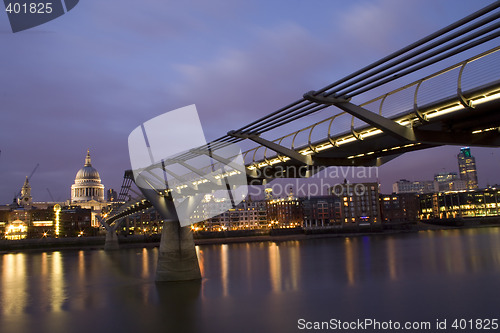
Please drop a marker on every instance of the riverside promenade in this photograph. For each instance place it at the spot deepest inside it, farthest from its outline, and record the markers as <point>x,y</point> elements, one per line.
<point>205,238</point>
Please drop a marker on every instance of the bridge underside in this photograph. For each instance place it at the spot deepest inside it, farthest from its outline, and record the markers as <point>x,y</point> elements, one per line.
<point>478,126</point>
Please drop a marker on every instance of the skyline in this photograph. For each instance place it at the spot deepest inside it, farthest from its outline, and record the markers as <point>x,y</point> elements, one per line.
<point>352,174</point>
<point>87,79</point>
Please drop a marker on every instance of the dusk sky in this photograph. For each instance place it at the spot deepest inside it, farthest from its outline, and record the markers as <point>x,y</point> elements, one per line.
<point>88,78</point>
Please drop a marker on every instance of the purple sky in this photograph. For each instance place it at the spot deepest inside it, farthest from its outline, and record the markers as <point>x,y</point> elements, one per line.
<point>88,78</point>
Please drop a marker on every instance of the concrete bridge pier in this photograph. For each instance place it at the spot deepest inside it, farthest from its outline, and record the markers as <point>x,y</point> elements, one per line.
<point>111,242</point>
<point>177,259</point>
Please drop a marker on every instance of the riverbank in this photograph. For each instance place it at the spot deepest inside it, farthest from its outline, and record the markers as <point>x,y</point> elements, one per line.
<point>208,238</point>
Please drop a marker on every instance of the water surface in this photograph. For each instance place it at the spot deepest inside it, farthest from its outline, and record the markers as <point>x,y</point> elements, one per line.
<point>257,287</point>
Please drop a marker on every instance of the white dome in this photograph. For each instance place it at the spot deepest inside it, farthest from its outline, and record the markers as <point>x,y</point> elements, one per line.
<point>87,173</point>
<point>87,184</point>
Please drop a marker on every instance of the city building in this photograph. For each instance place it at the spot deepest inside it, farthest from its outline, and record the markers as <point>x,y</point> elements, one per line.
<point>321,211</point>
<point>60,221</point>
<point>53,221</point>
<point>467,168</point>
<point>449,181</point>
<point>399,208</point>
<point>460,204</point>
<point>245,216</point>
<point>360,205</point>
<point>259,211</point>
<point>144,222</point>
<point>4,219</point>
<point>25,200</point>
<point>87,192</point>
<point>445,177</point>
<point>25,218</point>
<point>111,195</point>
<point>248,214</point>
<point>285,212</point>
<point>406,186</point>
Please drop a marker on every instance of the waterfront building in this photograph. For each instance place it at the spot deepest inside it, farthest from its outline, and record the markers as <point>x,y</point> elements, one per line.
<point>243,217</point>
<point>77,217</point>
<point>248,214</point>
<point>16,230</point>
<point>399,208</point>
<point>360,204</point>
<point>259,207</point>
<point>467,168</point>
<point>60,221</point>
<point>460,204</point>
<point>285,212</point>
<point>406,186</point>
<point>4,219</point>
<point>219,222</point>
<point>145,222</point>
<point>53,221</point>
<point>321,211</point>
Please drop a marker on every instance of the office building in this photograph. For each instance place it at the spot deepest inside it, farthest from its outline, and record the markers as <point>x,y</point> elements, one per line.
<point>406,186</point>
<point>360,205</point>
<point>399,208</point>
<point>321,211</point>
<point>285,212</point>
<point>449,181</point>
<point>467,168</point>
<point>460,204</point>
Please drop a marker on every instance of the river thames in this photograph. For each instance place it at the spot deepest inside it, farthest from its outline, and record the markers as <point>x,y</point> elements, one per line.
<point>429,276</point>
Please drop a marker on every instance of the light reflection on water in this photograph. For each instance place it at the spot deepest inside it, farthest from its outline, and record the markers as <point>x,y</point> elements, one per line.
<point>256,286</point>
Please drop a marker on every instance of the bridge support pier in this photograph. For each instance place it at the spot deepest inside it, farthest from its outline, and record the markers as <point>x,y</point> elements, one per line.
<point>111,242</point>
<point>177,260</point>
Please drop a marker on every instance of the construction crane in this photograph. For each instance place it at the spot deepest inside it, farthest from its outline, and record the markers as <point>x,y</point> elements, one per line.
<point>32,172</point>
<point>51,197</point>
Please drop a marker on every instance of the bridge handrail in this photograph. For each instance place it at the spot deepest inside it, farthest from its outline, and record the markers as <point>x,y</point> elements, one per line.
<point>461,97</point>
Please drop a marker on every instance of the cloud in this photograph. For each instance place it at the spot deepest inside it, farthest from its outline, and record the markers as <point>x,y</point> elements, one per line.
<point>376,26</point>
<point>239,85</point>
<point>285,60</point>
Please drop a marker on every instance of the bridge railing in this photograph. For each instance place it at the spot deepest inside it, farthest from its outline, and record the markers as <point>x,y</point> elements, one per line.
<point>456,87</point>
<point>450,89</point>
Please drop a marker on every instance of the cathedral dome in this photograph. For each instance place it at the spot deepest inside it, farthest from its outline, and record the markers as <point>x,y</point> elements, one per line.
<point>87,173</point>
<point>87,186</point>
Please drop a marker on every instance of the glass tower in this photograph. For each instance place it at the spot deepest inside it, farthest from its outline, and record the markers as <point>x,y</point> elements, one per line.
<point>467,168</point>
